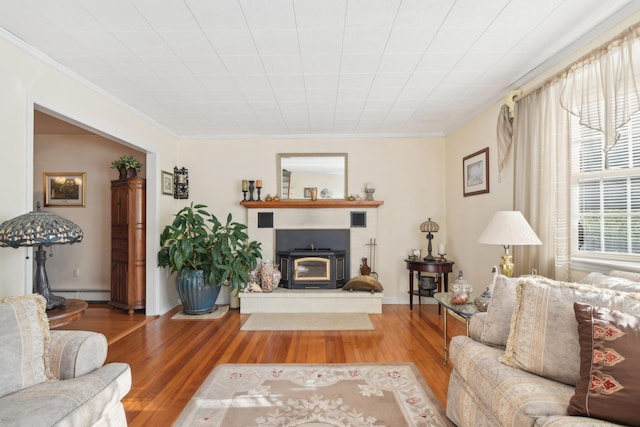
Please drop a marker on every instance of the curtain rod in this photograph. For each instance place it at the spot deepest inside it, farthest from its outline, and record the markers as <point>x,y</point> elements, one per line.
<point>630,32</point>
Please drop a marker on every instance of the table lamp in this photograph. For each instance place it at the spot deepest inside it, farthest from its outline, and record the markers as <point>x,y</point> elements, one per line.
<point>508,228</point>
<point>429,227</point>
<point>39,228</point>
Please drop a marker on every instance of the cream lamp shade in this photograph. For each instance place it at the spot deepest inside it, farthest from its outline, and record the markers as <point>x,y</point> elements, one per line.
<point>508,228</point>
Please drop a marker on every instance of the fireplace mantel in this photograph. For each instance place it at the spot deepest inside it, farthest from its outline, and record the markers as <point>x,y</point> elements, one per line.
<point>311,204</point>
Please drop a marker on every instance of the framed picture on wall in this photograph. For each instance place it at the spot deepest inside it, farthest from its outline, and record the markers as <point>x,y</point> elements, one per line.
<point>166,178</point>
<point>475,173</point>
<point>65,188</point>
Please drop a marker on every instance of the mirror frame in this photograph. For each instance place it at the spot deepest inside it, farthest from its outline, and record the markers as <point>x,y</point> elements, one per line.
<point>280,156</point>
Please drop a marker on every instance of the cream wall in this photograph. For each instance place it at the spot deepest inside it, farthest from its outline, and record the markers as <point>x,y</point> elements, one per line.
<point>28,80</point>
<point>467,216</point>
<point>91,154</point>
<point>407,173</point>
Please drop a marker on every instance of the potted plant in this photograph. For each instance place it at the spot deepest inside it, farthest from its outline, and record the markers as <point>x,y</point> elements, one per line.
<point>206,254</point>
<point>128,166</point>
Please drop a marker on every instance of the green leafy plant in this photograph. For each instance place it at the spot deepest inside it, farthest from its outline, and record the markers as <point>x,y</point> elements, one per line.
<point>125,162</point>
<point>197,240</point>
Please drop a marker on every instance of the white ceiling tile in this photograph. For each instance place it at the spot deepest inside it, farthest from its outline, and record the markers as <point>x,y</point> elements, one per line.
<point>314,14</point>
<point>371,13</point>
<point>140,43</point>
<point>365,40</point>
<point>320,64</point>
<point>321,81</point>
<point>232,42</point>
<point>203,65</point>
<point>410,40</point>
<point>320,42</point>
<point>282,64</point>
<point>239,64</point>
<point>218,82</point>
<point>240,67</point>
<point>168,66</point>
<point>399,63</point>
<point>218,14</point>
<point>360,63</point>
<point>187,43</point>
<point>272,14</point>
<point>252,81</point>
<point>356,80</point>
<point>116,15</point>
<point>423,13</point>
<point>287,81</point>
<point>173,16</point>
<point>276,42</point>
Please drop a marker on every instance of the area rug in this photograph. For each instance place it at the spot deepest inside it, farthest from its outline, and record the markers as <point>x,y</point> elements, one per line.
<point>220,311</point>
<point>307,322</point>
<point>354,395</point>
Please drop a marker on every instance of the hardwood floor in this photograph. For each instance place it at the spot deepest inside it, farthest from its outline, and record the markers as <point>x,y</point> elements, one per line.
<point>170,359</point>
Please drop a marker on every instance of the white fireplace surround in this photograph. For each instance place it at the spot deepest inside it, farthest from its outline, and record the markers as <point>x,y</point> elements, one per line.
<point>330,218</point>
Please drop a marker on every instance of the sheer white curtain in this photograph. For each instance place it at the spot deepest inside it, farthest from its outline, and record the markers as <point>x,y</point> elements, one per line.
<point>601,88</point>
<point>542,180</point>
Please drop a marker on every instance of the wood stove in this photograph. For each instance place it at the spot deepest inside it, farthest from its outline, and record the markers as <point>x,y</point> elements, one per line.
<point>312,268</point>
<point>313,258</point>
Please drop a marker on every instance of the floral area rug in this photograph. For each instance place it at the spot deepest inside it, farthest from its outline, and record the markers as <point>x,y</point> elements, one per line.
<point>354,395</point>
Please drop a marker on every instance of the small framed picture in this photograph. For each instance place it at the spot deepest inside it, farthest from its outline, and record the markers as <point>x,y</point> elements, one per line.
<point>64,188</point>
<point>307,192</point>
<point>166,178</point>
<point>475,173</point>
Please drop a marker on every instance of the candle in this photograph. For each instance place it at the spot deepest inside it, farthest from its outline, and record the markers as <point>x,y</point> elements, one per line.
<point>370,186</point>
<point>259,183</point>
<point>442,249</point>
<point>245,185</point>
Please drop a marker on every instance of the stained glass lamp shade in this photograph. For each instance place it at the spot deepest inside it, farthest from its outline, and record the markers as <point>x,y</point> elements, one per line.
<point>39,228</point>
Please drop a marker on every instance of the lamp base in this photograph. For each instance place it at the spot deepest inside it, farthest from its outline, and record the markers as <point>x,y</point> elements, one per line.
<point>41,283</point>
<point>506,266</point>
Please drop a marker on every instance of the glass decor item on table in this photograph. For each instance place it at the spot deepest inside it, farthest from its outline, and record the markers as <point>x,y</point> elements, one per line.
<point>461,290</point>
<point>482,301</point>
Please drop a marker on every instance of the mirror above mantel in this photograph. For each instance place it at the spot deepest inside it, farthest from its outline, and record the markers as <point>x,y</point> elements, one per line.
<point>298,173</point>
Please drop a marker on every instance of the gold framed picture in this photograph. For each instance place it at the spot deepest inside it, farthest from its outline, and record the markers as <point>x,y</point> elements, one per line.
<point>65,188</point>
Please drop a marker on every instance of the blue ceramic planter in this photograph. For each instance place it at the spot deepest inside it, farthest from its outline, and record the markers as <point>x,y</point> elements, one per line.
<point>197,296</point>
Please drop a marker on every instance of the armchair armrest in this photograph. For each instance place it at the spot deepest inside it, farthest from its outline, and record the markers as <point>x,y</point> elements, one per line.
<point>76,353</point>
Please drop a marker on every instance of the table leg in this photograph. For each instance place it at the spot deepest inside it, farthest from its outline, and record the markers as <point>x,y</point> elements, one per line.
<point>410,289</point>
<point>446,348</point>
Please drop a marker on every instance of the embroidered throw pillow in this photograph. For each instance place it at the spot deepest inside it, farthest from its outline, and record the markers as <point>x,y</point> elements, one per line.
<point>609,385</point>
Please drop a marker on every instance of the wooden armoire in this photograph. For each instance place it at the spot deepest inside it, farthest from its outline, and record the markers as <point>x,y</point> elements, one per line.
<point>128,244</point>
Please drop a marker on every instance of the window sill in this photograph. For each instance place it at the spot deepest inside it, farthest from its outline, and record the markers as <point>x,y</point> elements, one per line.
<point>603,265</point>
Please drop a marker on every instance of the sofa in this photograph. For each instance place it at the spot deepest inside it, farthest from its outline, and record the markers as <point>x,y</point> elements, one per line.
<point>55,378</point>
<point>550,353</point>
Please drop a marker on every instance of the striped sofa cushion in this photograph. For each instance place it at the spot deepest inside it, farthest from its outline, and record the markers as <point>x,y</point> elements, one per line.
<point>544,332</point>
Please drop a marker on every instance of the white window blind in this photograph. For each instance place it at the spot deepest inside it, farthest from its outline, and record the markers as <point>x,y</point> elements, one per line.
<point>606,192</point>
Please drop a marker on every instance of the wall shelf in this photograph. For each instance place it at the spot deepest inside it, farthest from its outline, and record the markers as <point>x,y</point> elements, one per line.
<point>310,204</point>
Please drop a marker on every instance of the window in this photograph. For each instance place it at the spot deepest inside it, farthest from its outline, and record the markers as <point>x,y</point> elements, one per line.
<point>606,193</point>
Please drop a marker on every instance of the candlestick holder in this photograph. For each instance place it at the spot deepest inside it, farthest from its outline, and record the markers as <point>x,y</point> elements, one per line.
<point>251,188</point>
<point>259,190</point>
<point>442,258</point>
<point>244,195</point>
